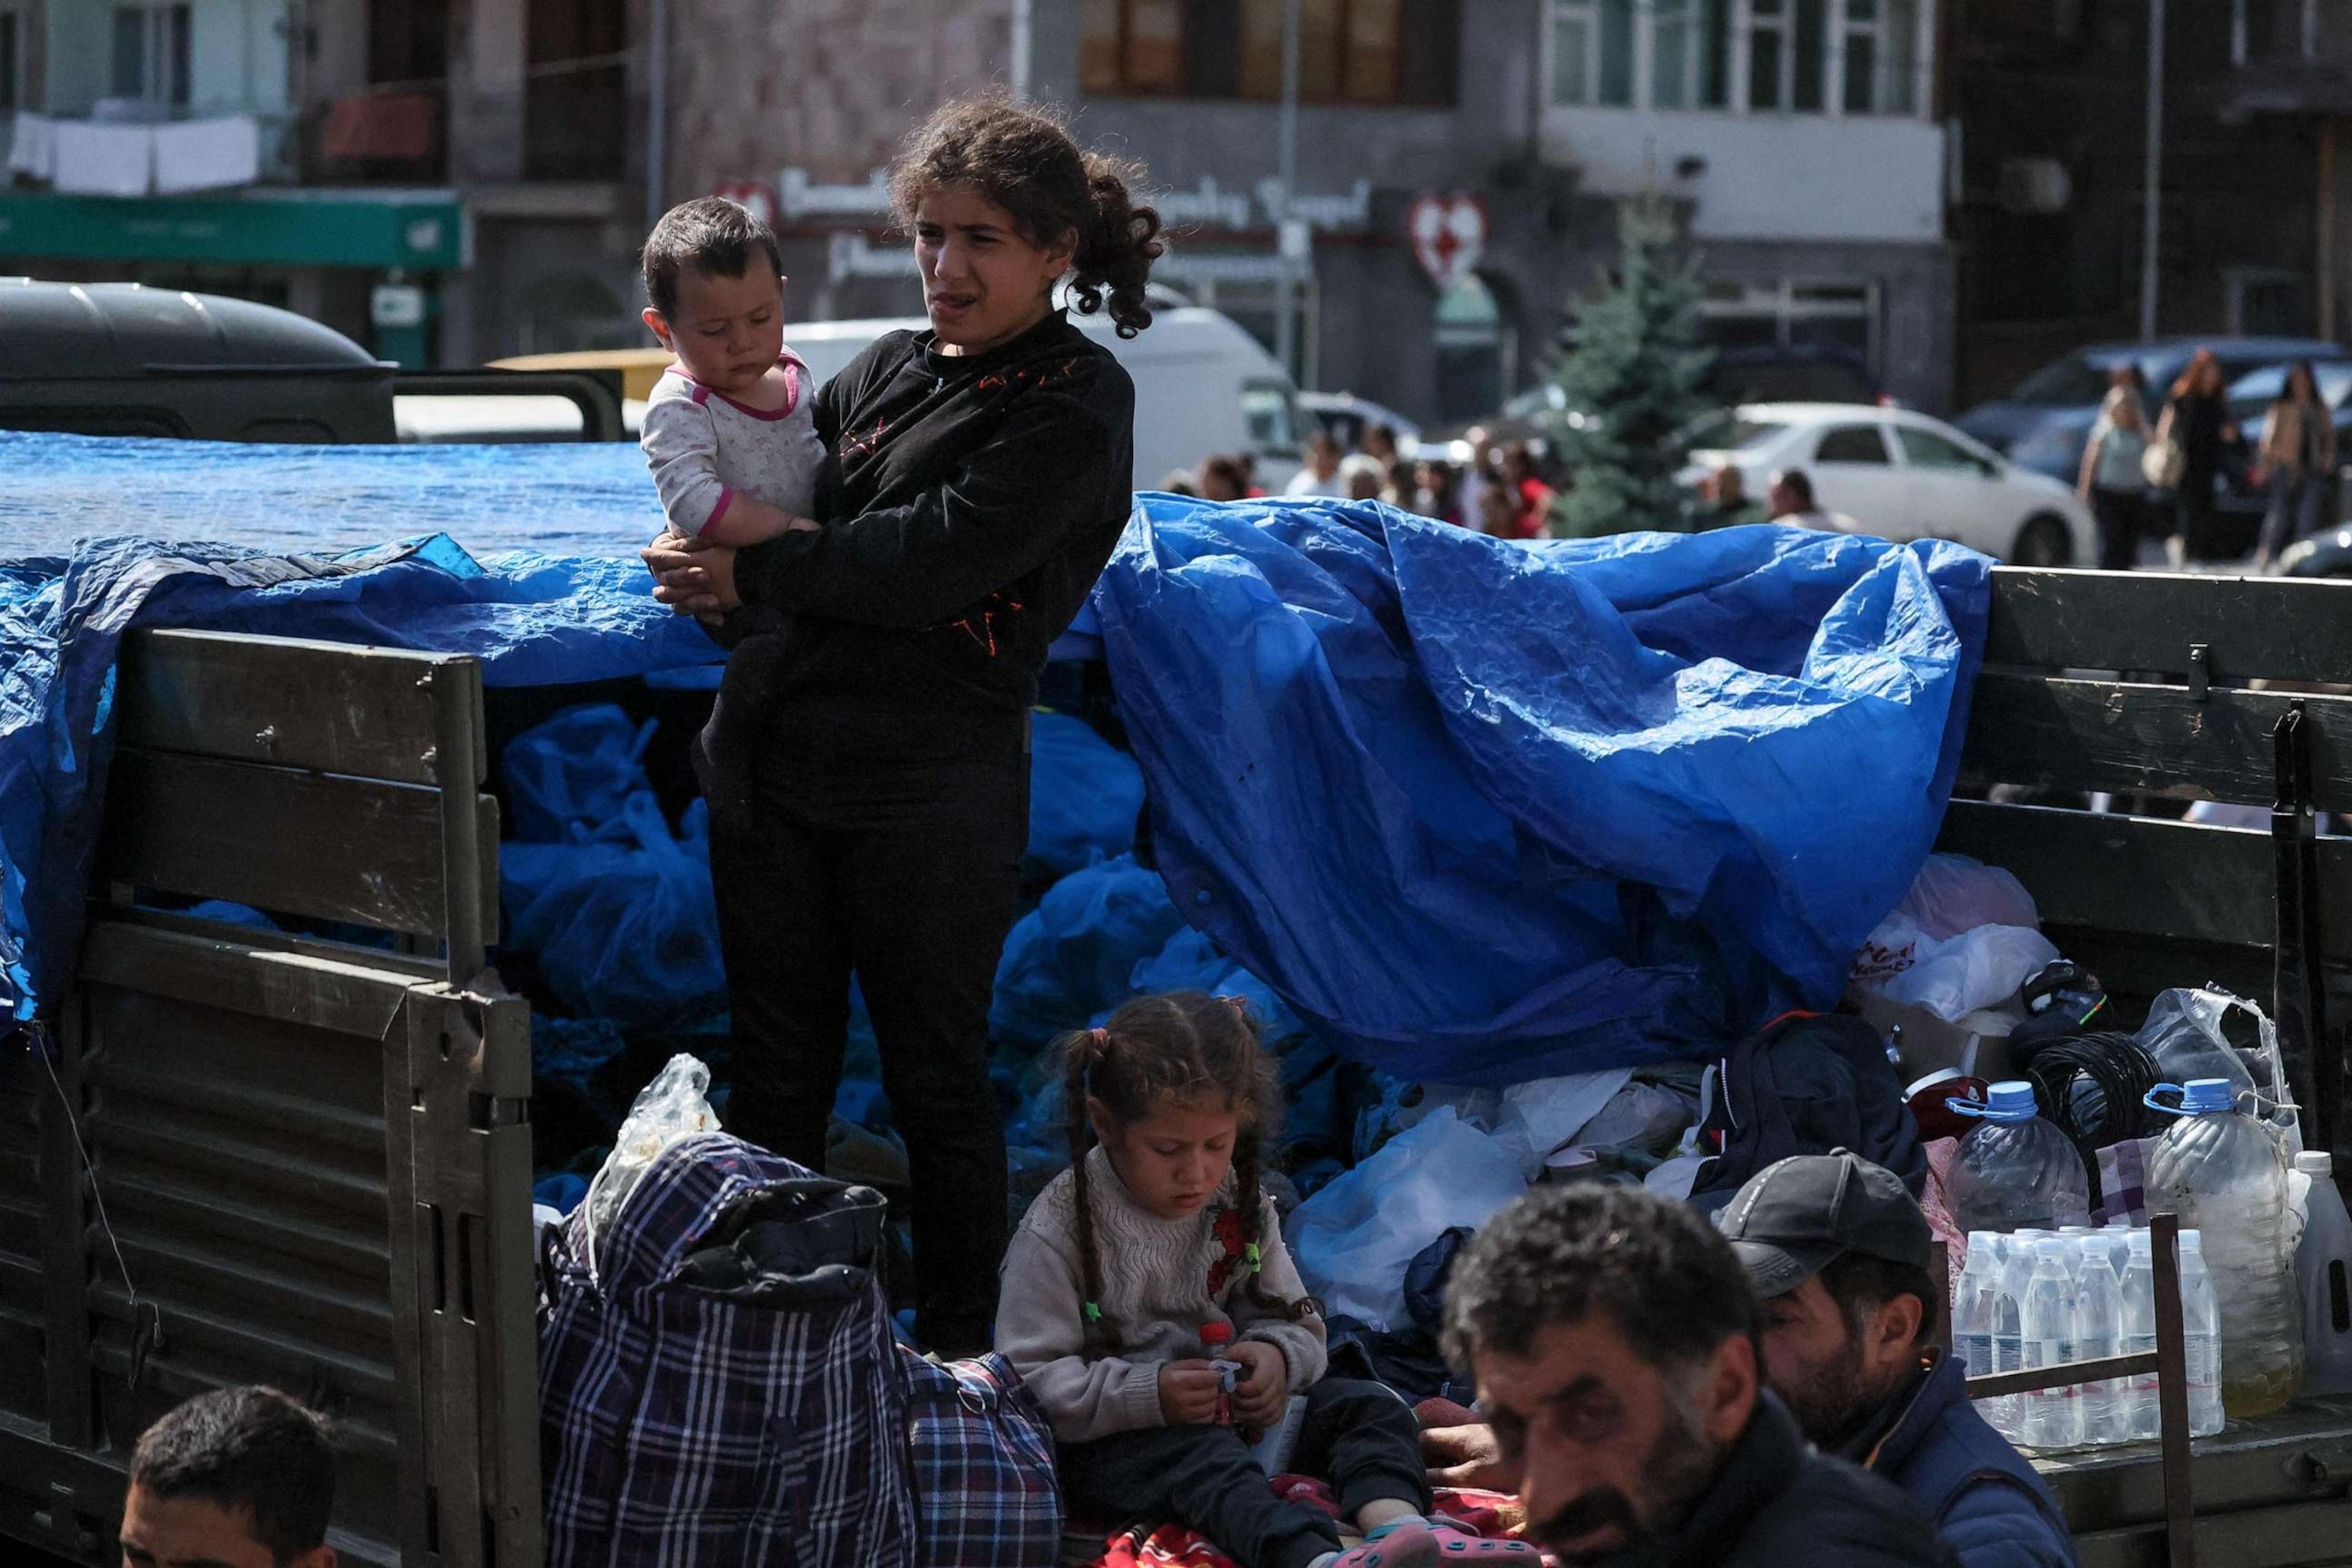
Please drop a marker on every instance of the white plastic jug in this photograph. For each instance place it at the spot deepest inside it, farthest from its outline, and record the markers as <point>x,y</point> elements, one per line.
<point>2323,1269</point>
<point>2225,1174</point>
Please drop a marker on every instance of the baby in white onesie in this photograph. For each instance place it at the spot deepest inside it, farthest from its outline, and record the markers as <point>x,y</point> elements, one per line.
<point>728,432</point>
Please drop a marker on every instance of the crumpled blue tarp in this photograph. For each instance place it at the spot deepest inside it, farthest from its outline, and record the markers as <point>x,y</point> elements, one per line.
<point>531,619</point>
<point>1484,812</point>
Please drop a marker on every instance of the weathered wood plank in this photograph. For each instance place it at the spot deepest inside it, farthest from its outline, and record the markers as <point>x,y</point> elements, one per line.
<point>2104,735</point>
<point>2143,876</point>
<point>367,711</point>
<point>2270,628</point>
<point>315,845</point>
<point>349,998</point>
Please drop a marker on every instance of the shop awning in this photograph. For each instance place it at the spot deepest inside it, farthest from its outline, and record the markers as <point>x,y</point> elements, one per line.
<point>423,231</point>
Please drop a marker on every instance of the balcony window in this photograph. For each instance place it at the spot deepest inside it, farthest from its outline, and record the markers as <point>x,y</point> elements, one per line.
<point>150,55</point>
<point>1805,57</point>
<point>1370,52</point>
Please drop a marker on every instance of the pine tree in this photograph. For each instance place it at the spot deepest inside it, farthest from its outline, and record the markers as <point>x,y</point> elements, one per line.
<point>1632,384</point>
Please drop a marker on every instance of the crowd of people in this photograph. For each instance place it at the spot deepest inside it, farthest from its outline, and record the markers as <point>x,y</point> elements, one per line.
<point>1502,491</point>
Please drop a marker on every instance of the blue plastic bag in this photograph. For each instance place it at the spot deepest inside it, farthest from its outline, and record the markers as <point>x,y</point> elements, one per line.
<point>571,777</point>
<point>1483,812</point>
<point>1085,796</point>
<point>626,931</point>
<point>1073,957</point>
<point>1191,961</point>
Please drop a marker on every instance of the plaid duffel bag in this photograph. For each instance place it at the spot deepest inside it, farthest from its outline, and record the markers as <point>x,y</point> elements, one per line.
<point>986,1495</point>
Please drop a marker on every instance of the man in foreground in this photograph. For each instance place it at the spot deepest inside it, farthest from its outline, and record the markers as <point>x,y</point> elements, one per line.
<point>1613,1340</point>
<point>239,1478</point>
<point>1838,1253</point>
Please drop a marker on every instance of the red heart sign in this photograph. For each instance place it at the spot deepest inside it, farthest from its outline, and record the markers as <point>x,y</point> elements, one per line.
<point>1448,234</point>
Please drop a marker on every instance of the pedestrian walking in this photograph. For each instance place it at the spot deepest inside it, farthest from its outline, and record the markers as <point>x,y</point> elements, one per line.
<point>2113,480</point>
<point>2196,426</point>
<point>2298,461</point>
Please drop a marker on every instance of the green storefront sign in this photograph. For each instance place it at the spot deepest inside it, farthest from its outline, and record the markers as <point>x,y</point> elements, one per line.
<point>422,231</point>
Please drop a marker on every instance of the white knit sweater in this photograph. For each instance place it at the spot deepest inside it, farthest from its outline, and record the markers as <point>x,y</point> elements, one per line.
<point>1156,1298</point>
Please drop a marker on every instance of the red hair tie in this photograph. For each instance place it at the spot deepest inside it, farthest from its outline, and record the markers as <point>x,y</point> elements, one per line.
<point>1101,1038</point>
<point>1240,1005</point>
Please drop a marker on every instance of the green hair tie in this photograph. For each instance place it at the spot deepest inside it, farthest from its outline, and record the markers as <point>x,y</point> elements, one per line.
<point>1257,1262</point>
<point>1093,1313</point>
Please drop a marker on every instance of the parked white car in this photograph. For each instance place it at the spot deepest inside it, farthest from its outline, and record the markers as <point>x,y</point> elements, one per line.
<point>1902,476</point>
<point>1202,387</point>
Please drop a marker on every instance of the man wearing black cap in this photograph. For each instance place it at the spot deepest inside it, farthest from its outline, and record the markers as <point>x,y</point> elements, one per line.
<point>1838,1255</point>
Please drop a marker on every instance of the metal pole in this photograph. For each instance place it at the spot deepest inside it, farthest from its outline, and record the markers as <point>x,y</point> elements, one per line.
<point>2327,228</point>
<point>1285,293</point>
<point>2150,218</point>
<point>1021,30</point>
<point>656,109</point>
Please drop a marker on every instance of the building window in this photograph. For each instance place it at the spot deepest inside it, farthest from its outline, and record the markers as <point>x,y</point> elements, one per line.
<point>1807,57</point>
<point>1349,51</point>
<point>1882,44</point>
<point>1838,320</point>
<point>150,54</point>
<point>11,95</point>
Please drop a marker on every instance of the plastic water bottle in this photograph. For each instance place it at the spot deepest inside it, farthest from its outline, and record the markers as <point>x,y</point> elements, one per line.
<point>2098,1334</point>
<point>2143,1414</point>
<point>2016,1170</point>
<point>2053,1417</point>
<point>2226,1176</point>
<point>2006,1413</point>
<point>2200,1333</point>
<point>2323,1271</point>
<point>1972,1306</point>
<point>2117,1236</point>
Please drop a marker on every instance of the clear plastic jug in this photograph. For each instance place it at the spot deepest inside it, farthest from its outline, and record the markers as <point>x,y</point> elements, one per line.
<point>2017,1171</point>
<point>2225,1175</point>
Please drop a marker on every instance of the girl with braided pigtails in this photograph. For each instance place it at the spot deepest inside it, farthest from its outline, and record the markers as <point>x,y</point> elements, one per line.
<point>1159,1231</point>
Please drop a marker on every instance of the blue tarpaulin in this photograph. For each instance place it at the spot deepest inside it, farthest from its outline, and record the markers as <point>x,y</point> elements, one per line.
<point>1482,811</point>
<point>531,620</point>
<point>1475,810</point>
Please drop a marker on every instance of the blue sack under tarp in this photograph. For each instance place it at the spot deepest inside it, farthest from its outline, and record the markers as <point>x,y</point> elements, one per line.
<point>531,619</point>
<point>1085,796</point>
<point>1484,812</point>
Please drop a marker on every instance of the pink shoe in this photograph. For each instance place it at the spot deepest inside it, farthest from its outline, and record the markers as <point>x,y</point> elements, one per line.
<point>1414,1544</point>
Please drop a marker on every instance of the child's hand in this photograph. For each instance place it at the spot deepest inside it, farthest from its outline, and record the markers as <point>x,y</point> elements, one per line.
<point>1259,1398</point>
<point>1188,1394</point>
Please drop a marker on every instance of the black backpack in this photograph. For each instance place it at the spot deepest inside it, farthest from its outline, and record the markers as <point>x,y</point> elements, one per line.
<point>1806,1084</point>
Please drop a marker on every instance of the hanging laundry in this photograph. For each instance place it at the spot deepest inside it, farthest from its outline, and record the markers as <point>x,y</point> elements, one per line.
<point>207,154</point>
<point>33,146</point>
<point>98,160</point>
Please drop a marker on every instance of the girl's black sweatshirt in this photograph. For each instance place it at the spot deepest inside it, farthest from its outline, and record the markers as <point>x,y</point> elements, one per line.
<point>969,504</point>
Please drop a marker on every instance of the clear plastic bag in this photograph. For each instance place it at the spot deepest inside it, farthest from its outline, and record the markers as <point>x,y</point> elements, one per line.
<point>1354,1239</point>
<point>675,1105</point>
<point>2187,1033</point>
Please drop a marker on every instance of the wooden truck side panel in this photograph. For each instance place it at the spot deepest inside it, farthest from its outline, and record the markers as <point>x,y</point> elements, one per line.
<point>310,1158</point>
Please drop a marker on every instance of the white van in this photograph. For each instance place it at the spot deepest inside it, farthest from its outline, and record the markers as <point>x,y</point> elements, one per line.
<point>1202,387</point>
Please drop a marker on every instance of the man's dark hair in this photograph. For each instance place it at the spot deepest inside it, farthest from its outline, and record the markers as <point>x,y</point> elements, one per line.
<point>1859,1284</point>
<point>711,235</point>
<point>249,1451</point>
<point>1668,1282</point>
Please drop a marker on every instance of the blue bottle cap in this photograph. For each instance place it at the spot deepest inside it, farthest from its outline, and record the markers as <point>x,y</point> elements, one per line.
<point>2011,1101</point>
<point>2200,1095</point>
